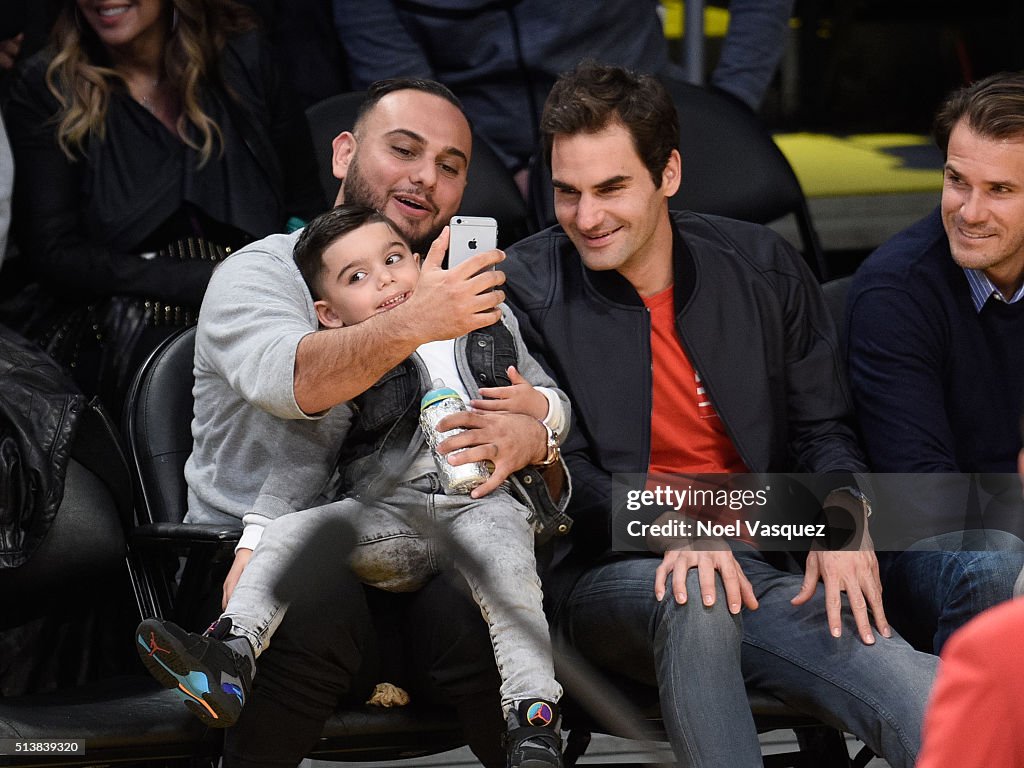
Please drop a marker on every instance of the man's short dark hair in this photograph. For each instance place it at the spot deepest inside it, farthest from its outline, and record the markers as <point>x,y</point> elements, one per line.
<point>382,88</point>
<point>318,235</point>
<point>593,96</point>
<point>992,108</point>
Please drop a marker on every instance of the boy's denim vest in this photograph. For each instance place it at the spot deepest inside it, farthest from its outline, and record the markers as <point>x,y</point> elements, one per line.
<point>385,434</point>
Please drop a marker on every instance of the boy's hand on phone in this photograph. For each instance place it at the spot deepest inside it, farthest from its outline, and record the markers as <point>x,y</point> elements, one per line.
<point>520,397</point>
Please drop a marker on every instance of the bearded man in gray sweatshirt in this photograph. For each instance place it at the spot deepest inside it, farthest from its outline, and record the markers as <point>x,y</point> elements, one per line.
<point>267,381</point>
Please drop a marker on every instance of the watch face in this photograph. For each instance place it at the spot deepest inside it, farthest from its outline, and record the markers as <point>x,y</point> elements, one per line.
<point>553,453</point>
<point>552,447</point>
<point>861,498</point>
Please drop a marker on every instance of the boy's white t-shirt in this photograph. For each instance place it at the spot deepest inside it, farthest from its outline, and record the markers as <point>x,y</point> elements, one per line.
<point>439,359</point>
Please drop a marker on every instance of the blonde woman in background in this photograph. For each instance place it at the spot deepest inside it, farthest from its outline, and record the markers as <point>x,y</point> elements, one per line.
<point>151,137</point>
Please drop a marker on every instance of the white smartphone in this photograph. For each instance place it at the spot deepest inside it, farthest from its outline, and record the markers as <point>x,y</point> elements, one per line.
<point>469,235</point>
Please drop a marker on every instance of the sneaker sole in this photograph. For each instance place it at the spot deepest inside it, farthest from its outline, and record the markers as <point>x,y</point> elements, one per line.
<point>174,668</point>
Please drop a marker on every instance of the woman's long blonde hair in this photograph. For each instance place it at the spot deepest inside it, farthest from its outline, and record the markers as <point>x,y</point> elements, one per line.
<point>81,79</point>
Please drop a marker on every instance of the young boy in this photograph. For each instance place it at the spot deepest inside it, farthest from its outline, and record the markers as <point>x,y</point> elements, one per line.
<point>356,265</point>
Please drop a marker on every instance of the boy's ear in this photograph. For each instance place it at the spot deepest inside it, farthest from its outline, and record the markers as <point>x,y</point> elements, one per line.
<point>326,315</point>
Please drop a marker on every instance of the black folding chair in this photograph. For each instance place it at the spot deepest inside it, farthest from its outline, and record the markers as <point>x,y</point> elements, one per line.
<point>158,437</point>
<point>66,616</point>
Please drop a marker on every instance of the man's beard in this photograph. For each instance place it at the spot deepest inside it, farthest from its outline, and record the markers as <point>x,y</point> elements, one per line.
<point>359,192</point>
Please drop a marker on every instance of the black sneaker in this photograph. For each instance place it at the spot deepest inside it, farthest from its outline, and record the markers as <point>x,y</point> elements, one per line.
<point>533,739</point>
<point>213,680</point>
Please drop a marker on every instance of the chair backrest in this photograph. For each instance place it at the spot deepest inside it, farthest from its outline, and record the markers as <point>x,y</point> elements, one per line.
<point>490,189</point>
<point>731,167</point>
<point>158,428</point>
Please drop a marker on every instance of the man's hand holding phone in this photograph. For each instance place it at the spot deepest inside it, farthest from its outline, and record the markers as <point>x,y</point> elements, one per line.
<point>448,303</point>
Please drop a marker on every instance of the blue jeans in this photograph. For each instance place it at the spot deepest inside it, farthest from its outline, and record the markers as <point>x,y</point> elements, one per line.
<point>702,660</point>
<point>394,550</point>
<point>942,582</point>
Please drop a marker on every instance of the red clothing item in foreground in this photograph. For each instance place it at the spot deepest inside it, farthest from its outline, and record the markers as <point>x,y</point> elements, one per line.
<point>976,715</point>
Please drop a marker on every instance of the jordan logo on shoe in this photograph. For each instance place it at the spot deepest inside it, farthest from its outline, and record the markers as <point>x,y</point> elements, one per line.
<point>539,713</point>
<point>153,647</point>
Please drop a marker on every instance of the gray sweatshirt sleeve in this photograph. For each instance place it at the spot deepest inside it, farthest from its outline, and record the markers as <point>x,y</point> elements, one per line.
<point>255,312</point>
<point>255,453</point>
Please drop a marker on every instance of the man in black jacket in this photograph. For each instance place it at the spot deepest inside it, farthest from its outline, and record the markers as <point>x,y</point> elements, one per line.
<point>695,344</point>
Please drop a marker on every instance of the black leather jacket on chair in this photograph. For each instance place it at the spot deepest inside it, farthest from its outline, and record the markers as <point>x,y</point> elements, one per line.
<point>44,422</point>
<point>39,410</point>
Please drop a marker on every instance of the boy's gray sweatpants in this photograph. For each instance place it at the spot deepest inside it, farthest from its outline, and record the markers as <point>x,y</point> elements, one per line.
<point>402,541</point>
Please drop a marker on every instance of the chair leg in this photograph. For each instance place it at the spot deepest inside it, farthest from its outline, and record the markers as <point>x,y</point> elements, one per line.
<point>787,760</point>
<point>576,744</point>
<point>823,746</point>
<point>863,757</point>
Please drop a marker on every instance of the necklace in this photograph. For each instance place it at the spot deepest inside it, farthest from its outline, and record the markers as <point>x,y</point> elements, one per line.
<point>149,100</point>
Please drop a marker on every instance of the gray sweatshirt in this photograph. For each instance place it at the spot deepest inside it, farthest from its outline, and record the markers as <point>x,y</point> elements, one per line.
<point>246,421</point>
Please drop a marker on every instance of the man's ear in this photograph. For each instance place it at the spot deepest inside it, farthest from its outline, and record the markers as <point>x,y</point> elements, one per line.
<point>672,175</point>
<point>326,315</point>
<point>344,148</point>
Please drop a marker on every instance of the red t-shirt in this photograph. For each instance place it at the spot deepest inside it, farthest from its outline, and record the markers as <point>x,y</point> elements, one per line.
<point>687,435</point>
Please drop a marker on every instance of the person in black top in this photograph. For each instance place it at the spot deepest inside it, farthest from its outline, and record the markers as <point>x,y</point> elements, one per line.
<point>142,126</point>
